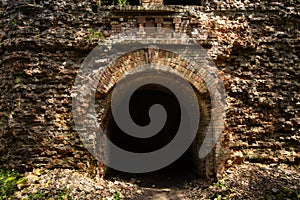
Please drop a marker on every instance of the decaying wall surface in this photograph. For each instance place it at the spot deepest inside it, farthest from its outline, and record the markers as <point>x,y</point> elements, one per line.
<point>254,45</point>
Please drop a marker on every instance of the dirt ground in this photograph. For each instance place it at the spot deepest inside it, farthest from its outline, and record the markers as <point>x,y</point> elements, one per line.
<point>246,181</point>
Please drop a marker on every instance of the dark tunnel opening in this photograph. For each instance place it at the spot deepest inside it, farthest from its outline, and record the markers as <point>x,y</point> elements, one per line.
<point>176,173</point>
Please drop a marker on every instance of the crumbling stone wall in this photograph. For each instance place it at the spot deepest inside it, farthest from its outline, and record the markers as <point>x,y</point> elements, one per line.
<point>43,43</point>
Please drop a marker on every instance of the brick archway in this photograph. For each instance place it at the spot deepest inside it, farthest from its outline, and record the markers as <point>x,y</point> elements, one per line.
<point>123,66</point>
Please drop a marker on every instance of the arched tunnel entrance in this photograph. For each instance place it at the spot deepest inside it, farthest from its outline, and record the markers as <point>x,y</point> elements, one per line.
<point>183,169</point>
<point>202,151</point>
<point>190,166</point>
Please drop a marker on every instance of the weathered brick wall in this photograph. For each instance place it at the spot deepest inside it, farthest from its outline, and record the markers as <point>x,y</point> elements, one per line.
<point>255,46</point>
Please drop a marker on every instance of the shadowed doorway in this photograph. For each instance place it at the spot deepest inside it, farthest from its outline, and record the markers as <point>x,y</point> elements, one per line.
<point>176,173</point>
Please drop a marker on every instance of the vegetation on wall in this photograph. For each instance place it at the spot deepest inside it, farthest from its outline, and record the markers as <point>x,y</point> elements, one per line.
<point>9,182</point>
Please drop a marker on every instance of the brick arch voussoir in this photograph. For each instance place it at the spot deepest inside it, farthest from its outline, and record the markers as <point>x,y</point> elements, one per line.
<point>164,60</point>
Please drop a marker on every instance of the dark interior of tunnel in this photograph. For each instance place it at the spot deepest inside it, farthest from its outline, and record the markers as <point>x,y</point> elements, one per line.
<point>140,103</point>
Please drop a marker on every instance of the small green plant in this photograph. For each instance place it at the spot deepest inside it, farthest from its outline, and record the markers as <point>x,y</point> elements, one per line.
<point>35,196</point>
<point>94,35</point>
<point>223,191</point>
<point>60,195</point>
<point>117,195</point>
<point>98,35</point>
<point>8,182</point>
<point>221,185</point>
<point>285,193</point>
<point>122,2</point>
<point>64,195</point>
<point>18,81</point>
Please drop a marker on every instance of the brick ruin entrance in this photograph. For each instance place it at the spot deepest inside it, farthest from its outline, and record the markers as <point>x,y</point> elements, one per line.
<point>188,165</point>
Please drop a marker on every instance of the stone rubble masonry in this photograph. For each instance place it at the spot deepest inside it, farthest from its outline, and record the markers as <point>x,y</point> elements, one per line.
<point>255,46</point>
<point>151,2</point>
